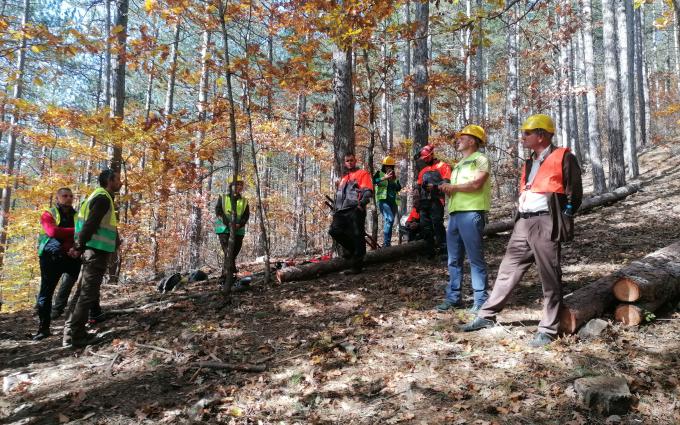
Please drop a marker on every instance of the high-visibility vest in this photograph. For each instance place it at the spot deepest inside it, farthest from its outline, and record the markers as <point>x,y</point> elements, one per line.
<point>466,171</point>
<point>43,238</point>
<point>549,177</point>
<point>241,204</point>
<point>381,189</point>
<point>106,235</point>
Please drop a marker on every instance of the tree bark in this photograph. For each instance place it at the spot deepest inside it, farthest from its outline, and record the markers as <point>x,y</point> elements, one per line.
<point>624,12</point>
<point>343,106</point>
<point>594,148</point>
<point>617,174</point>
<point>196,216</point>
<point>406,132</point>
<point>13,133</point>
<point>640,80</point>
<point>372,136</point>
<point>651,278</point>
<point>299,204</point>
<point>118,99</point>
<point>421,101</point>
<point>314,270</point>
<point>229,278</point>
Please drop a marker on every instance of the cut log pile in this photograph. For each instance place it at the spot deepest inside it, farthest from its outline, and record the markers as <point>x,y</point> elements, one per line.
<point>643,286</point>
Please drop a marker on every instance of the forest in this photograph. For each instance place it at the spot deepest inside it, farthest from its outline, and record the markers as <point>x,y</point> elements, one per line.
<point>184,96</point>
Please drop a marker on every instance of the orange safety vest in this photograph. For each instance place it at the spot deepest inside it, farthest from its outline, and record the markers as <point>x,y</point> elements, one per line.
<point>549,176</point>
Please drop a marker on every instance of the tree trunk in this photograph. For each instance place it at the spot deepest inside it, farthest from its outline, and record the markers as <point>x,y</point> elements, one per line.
<point>617,175</point>
<point>372,136</point>
<point>650,278</point>
<point>229,278</point>
<point>300,240</point>
<point>118,99</point>
<point>511,96</point>
<point>640,79</point>
<point>406,114</point>
<point>196,217</point>
<point>314,270</point>
<point>626,30</point>
<point>594,148</point>
<point>421,101</point>
<point>13,133</point>
<point>343,107</point>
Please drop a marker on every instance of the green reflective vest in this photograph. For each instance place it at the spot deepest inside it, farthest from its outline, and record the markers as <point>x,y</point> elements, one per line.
<point>106,235</point>
<point>43,238</point>
<point>241,204</point>
<point>381,189</point>
<point>466,171</point>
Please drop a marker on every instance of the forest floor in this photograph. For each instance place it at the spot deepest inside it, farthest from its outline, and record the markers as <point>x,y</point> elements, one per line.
<point>361,349</point>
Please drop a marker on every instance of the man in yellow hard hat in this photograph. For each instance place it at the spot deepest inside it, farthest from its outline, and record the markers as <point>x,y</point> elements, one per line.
<point>550,194</point>
<point>387,188</point>
<point>469,200</point>
<point>223,214</point>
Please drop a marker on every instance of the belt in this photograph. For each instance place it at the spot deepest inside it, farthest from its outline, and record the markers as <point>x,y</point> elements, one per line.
<point>533,214</point>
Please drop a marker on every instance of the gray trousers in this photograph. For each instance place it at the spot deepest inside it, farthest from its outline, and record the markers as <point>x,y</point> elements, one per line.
<point>530,242</point>
<point>86,295</point>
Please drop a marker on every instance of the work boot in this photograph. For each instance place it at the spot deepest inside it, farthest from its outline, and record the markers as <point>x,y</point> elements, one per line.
<point>541,339</point>
<point>89,339</point>
<point>477,324</point>
<point>43,331</point>
<point>448,305</point>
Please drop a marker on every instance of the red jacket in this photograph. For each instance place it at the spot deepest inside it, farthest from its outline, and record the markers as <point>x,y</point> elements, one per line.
<point>63,234</point>
<point>355,188</point>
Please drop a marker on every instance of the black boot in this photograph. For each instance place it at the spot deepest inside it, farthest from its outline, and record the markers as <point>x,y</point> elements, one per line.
<point>43,331</point>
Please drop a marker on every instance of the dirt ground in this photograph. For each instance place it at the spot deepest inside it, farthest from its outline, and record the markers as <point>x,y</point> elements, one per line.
<point>360,350</point>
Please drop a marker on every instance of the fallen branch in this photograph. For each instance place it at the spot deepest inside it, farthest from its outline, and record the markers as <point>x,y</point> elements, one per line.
<point>109,369</point>
<point>153,347</point>
<point>588,203</point>
<point>231,366</point>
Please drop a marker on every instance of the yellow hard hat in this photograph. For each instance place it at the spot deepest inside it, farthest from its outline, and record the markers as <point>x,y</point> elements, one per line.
<point>539,121</point>
<point>388,161</point>
<point>474,130</point>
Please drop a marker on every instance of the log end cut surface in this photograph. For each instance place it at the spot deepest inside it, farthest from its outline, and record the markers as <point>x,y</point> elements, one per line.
<point>626,290</point>
<point>629,315</point>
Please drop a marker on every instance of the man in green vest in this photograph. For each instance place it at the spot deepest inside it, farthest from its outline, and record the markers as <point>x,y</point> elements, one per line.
<point>96,237</point>
<point>387,188</point>
<point>469,199</point>
<point>223,212</point>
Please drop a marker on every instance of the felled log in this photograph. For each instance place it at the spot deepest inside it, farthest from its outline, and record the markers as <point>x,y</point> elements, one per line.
<point>654,277</point>
<point>632,314</point>
<point>597,297</point>
<point>587,204</point>
<point>313,270</point>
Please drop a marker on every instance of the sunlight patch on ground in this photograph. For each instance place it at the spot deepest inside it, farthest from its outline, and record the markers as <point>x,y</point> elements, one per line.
<point>298,308</point>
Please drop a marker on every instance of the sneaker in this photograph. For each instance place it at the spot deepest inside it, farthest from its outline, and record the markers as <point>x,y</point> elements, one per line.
<point>42,334</point>
<point>477,324</point>
<point>447,305</point>
<point>540,340</point>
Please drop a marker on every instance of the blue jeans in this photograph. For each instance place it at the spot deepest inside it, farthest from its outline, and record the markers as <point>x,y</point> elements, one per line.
<point>388,212</point>
<point>464,235</point>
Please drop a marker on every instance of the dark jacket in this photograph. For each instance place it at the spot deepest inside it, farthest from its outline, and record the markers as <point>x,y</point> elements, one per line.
<point>562,224</point>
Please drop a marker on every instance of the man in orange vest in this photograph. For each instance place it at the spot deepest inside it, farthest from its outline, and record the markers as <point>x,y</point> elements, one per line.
<point>354,192</point>
<point>550,194</point>
<point>431,177</point>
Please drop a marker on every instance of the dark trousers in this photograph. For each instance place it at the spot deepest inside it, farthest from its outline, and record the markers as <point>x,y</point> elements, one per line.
<point>65,285</point>
<point>530,242</point>
<point>432,223</point>
<point>224,242</point>
<point>348,229</point>
<point>86,296</point>
<point>51,270</point>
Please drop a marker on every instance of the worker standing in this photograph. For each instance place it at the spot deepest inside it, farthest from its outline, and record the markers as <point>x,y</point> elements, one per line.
<point>354,192</point>
<point>96,237</point>
<point>387,188</point>
<point>469,200</point>
<point>431,177</point>
<point>550,194</point>
<point>54,243</point>
<point>223,213</point>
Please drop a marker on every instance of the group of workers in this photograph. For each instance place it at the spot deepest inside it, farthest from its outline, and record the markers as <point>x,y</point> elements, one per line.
<point>550,194</point>
<point>79,244</point>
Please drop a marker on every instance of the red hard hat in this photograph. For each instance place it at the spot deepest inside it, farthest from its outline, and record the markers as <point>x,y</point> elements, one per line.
<point>426,151</point>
